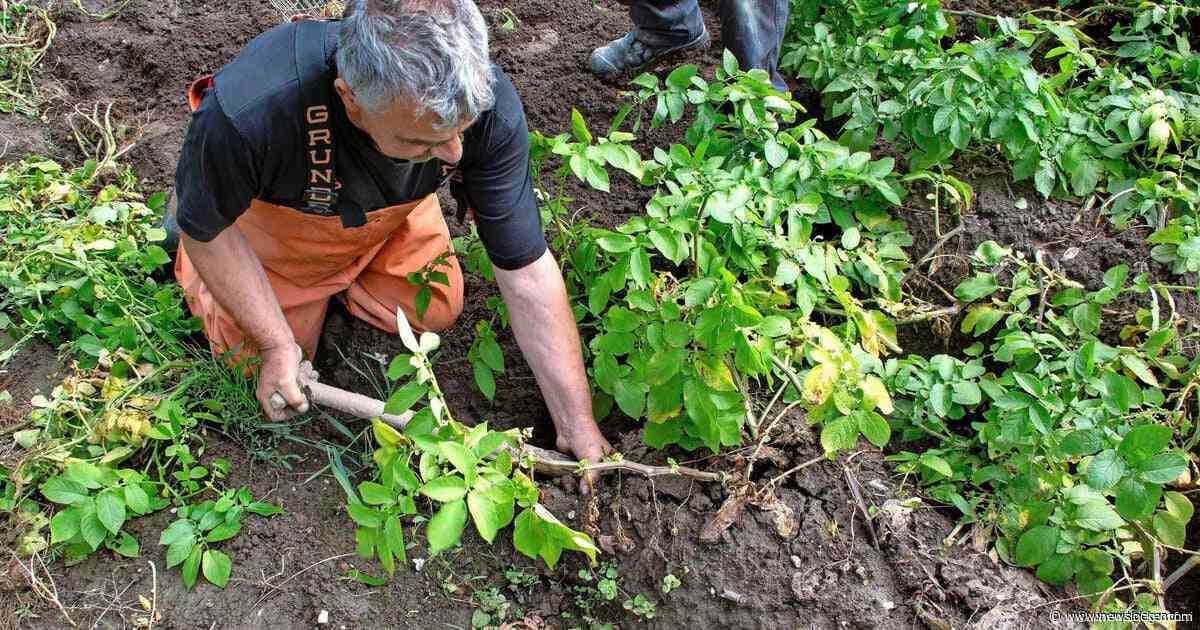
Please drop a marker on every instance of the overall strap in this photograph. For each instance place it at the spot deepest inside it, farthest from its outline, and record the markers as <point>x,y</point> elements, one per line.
<point>316,93</point>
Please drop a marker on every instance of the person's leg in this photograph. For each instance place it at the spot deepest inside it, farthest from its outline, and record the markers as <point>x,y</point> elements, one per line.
<point>753,30</point>
<point>383,286</point>
<point>666,22</point>
<point>661,27</point>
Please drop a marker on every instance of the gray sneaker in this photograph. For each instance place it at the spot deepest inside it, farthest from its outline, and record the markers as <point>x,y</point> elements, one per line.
<point>630,54</point>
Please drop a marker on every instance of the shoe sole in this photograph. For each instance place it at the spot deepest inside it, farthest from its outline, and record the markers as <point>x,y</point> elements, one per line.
<point>701,42</point>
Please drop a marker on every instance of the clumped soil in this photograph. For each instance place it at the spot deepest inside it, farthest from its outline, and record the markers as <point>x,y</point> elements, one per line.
<point>803,556</point>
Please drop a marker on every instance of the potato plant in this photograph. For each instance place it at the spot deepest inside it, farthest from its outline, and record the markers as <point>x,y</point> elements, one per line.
<point>766,249</point>
<point>465,472</point>
<point>1121,123</point>
<point>1060,446</point>
<point>119,438</point>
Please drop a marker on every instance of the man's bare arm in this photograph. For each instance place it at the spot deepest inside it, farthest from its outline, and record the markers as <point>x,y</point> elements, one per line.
<point>545,330</point>
<point>235,276</point>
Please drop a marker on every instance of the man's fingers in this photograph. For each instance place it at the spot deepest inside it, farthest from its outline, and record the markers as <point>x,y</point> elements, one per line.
<point>294,397</point>
<point>587,485</point>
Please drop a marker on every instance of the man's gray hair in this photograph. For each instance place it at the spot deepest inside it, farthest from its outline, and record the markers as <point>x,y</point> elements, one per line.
<point>434,52</point>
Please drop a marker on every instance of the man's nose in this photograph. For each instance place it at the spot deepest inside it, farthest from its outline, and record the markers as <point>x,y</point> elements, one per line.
<point>450,152</point>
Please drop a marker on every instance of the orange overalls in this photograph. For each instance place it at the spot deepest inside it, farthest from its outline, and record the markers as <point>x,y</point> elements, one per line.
<point>310,258</point>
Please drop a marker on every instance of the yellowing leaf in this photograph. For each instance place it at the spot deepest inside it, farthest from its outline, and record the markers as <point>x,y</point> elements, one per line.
<point>385,434</point>
<point>715,373</point>
<point>876,393</point>
<point>819,383</point>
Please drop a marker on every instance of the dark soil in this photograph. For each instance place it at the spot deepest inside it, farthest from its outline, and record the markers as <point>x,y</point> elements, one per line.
<point>32,371</point>
<point>804,557</point>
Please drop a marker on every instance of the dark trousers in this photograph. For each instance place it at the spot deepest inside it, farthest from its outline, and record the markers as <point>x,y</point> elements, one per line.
<point>752,29</point>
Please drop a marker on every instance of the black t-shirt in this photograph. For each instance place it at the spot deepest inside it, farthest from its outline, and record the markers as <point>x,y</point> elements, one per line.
<point>247,141</point>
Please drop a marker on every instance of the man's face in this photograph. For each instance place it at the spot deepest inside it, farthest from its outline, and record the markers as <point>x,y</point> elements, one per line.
<point>405,131</point>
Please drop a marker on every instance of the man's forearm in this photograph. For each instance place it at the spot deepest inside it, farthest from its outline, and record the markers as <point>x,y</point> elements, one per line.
<point>544,327</point>
<point>233,274</point>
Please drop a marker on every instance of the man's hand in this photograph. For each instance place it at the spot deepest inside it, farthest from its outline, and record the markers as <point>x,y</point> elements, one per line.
<point>278,374</point>
<point>583,439</point>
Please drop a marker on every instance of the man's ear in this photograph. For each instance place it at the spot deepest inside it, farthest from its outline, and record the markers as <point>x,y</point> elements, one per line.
<point>347,96</point>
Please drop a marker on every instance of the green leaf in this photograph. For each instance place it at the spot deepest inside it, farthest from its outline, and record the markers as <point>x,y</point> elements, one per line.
<point>462,458</point>
<point>874,427</point>
<point>1170,530</point>
<point>446,527</point>
<point>937,464</point>
<point>1179,506</point>
<point>1085,177</point>
<point>125,545</point>
<point>528,536</point>
<point>723,205</point>
<point>484,379</point>
<point>1036,545</point>
<point>775,153</point>
<point>490,512</point>
<point>491,354</point>
<point>422,300</point>
<point>630,397</point>
<point>1135,500</point>
<point>445,489</point>
<point>264,509</point>
<point>579,127</point>
<point>976,287</point>
<point>64,526</point>
<point>616,243</point>
<point>1083,442</point>
<point>1098,516</point>
<point>1086,317</point>
<point>1163,468</point>
<point>137,499</point>
<point>839,434</point>
<point>180,550</point>
<point>217,567</point>
<point>63,490</point>
<point>1105,469</point>
<point>980,319</point>
<point>681,78</point>
<point>224,531</point>
<point>966,393</point>
<point>375,494</point>
<point>176,531</point>
<point>1056,570</point>
<point>85,474</point>
<point>1144,440</point>
<point>665,401</point>
<point>1139,368</point>
<point>365,578</point>
<point>1115,278</point>
<point>363,515</point>
<point>404,398</point>
<point>393,537</point>
<point>111,511</point>
<point>191,567</point>
<point>1121,393</point>
<point>620,319</point>
<point>400,367</point>
<point>699,291</point>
